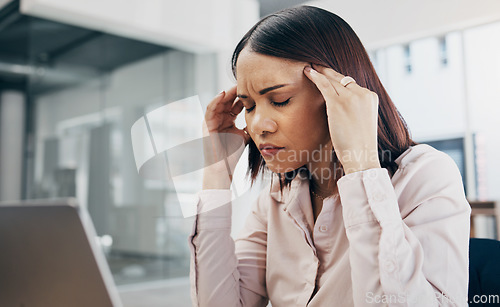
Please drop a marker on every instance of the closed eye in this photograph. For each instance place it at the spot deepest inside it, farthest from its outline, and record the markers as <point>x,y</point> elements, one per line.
<point>274,103</point>
<point>280,104</point>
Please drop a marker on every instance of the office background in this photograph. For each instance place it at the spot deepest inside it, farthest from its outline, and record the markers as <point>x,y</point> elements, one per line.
<point>75,76</point>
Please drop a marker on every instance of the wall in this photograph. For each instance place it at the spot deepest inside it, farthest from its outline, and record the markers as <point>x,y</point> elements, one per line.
<point>211,27</point>
<point>387,22</point>
<point>192,25</point>
<point>440,102</point>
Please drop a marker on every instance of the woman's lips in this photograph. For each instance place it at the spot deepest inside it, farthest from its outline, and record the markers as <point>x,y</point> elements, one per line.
<point>271,151</point>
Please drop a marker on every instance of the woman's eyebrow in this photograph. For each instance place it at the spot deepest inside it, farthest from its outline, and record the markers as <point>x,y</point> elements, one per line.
<point>266,90</point>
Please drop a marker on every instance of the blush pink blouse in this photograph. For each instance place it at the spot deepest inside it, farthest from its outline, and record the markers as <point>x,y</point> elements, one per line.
<point>400,241</point>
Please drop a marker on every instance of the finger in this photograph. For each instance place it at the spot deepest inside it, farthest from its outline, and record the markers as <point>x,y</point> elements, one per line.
<point>246,135</point>
<point>230,116</point>
<point>323,84</point>
<point>222,101</point>
<point>328,71</point>
<point>229,98</point>
<point>336,77</point>
<point>215,105</point>
<point>237,106</point>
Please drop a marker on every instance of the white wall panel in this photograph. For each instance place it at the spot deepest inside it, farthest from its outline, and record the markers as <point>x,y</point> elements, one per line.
<point>190,25</point>
<point>385,22</point>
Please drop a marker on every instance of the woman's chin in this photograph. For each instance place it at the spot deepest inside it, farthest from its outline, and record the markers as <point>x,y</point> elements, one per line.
<point>280,168</point>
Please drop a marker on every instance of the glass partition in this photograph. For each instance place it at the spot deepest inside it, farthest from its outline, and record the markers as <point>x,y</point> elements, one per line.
<point>86,91</point>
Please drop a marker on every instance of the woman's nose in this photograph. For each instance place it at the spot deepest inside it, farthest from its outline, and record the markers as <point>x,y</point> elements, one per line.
<point>261,124</point>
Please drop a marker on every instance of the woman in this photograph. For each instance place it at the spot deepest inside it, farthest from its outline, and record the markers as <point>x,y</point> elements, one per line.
<point>357,214</point>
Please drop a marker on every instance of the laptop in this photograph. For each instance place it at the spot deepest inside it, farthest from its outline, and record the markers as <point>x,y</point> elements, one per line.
<point>49,257</point>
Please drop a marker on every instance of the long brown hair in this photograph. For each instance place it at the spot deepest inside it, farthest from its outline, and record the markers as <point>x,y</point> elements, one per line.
<point>313,35</point>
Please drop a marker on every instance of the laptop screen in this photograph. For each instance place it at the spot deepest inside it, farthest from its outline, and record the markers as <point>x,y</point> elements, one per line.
<point>49,257</point>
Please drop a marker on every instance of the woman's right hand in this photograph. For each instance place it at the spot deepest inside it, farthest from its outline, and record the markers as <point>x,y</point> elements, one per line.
<point>223,141</point>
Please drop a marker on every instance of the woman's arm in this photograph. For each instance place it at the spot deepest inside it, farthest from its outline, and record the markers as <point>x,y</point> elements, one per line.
<point>222,275</point>
<point>414,257</point>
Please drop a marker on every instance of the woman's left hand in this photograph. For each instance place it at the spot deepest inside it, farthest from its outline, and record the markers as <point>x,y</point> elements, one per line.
<point>352,119</point>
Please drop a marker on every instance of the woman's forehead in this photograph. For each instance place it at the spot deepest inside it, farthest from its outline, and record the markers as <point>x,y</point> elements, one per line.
<point>263,83</point>
<point>250,60</point>
<point>261,71</point>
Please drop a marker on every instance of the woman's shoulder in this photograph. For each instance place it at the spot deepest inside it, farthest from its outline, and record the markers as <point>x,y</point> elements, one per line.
<point>428,176</point>
<point>418,151</point>
<point>424,156</point>
<point>423,165</point>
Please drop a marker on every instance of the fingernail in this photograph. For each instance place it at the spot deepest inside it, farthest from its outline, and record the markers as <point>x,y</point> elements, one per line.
<point>221,93</point>
<point>310,70</point>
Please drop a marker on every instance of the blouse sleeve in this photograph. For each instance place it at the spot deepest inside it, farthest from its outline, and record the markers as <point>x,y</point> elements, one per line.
<point>223,273</point>
<point>410,249</point>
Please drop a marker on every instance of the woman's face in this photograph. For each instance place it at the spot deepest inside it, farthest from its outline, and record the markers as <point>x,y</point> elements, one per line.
<point>283,108</point>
